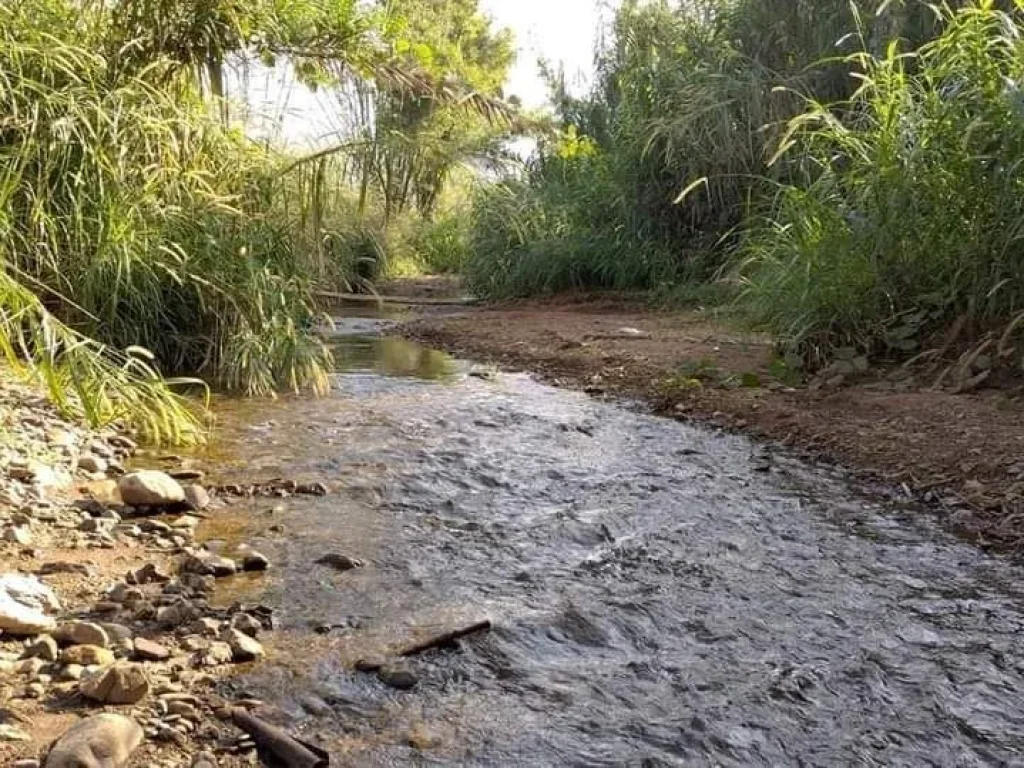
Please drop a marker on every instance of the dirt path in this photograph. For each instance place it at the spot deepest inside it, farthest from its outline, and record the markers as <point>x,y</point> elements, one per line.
<point>962,454</point>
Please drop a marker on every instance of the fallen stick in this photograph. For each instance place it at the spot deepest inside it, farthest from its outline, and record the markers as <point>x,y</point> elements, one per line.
<point>287,749</point>
<point>439,641</point>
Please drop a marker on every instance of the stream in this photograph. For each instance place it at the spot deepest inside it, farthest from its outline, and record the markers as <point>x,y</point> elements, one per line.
<point>661,594</point>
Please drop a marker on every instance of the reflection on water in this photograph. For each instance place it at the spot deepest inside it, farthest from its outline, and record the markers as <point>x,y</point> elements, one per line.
<point>391,356</point>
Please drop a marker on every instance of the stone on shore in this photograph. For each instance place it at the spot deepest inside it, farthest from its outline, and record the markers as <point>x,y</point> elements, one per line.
<point>24,604</point>
<point>150,488</point>
<point>101,741</point>
<point>118,684</point>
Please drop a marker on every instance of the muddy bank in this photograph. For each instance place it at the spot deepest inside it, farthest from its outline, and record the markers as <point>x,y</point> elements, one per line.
<point>962,454</point>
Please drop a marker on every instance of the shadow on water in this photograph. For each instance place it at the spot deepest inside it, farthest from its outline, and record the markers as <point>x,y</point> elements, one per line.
<point>658,598</point>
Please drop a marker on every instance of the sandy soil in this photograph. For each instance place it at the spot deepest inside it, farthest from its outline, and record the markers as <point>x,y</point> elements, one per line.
<point>962,454</point>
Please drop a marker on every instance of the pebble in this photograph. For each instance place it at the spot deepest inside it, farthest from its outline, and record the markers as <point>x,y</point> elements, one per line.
<point>29,667</point>
<point>148,650</point>
<point>44,647</point>
<point>243,647</point>
<point>82,633</point>
<point>147,574</point>
<point>71,672</point>
<point>255,561</point>
<point>87,655</point>
<point>119,684</point>
<point>89,463</point>
<point>20,535</point>
<point>339,562</point>
<point>243,622</point>
<point>398,677</point>
<point>196,497</point>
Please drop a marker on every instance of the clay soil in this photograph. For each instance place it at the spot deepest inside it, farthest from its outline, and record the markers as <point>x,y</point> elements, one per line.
<point>960,454</point>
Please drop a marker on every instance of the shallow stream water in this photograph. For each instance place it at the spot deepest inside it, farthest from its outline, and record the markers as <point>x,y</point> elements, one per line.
<point>661,594</point>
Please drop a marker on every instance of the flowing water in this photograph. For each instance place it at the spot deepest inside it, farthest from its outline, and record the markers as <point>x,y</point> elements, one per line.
<point>661,594</point>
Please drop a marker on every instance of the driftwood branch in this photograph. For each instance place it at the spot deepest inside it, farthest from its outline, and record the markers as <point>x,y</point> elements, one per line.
<point>445,639</point>
<point>285,748</point>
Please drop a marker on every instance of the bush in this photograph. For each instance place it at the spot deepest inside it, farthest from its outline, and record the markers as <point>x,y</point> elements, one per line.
<point>915,219</point>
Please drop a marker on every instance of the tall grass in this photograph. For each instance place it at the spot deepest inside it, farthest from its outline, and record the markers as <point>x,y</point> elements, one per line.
<point>914,220</point>
<point>138,220</point>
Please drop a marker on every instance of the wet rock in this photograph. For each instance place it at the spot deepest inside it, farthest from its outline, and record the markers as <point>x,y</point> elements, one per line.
<point>24,604</point>
<point>150,488</point>
<point>89,463</point>
<point>119,684</point>
<point>196,497</point>
<point>147,574</point>
<point>149,650</point>
<point>87,655</point>
<point>255,561</point>
<point>371,664</point>
<point>18,534</point>
<point>204,563</point>
<point>339,562</point>
<point>101,741</point>
<point>81,633</point>
<point>398,677</point>
<point>243,647</point>
<point>44,647</point>
<point>243,622</point>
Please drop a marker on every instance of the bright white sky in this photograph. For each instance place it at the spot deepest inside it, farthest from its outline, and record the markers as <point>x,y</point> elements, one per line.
<point>558,31</point>
<point>555,30</point>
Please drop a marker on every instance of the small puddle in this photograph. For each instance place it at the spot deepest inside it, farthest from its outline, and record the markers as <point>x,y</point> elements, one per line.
<point>657,598</point>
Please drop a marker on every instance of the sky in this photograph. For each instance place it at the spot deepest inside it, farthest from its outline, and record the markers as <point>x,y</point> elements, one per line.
<point>558,31</point>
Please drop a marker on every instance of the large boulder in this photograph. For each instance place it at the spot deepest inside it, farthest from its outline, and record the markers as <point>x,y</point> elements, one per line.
<point>101,741</point>
<point>118,684</point>
<point>25,603</point>
<point>150,488</point>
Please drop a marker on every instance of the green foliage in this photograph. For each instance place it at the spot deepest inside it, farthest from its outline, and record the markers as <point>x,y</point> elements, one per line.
<point>915,216</point>
<point>139,222</point>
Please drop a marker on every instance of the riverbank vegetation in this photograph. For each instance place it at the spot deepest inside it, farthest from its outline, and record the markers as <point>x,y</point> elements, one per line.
<point>143,233</point>
<point>847,173</point>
